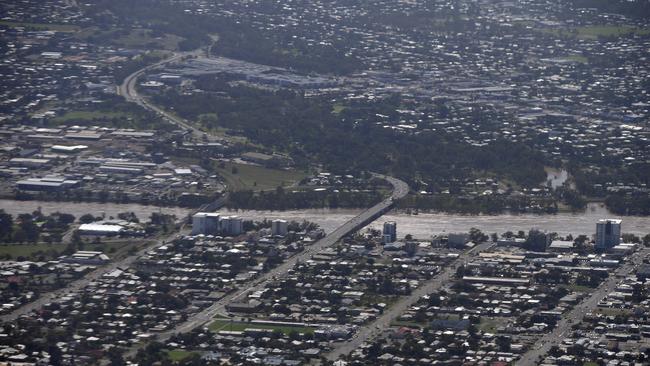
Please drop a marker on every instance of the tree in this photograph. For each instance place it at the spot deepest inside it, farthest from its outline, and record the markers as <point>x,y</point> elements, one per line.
<point>19,235</point>
<point>504,342</point>
<point>460,271</point>
<point>6,225</point>
<point>630,238</point>
<point>477,235</point>
<point>56,356</point>
<point>64,219</point>
<point>87,219</point>
<point>31,230</point>
<point>646,240</point>
<point>114,355</point>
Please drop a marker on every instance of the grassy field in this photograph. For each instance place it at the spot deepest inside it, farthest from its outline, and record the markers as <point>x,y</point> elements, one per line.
<point>226,324</point>
<point>50,251</point>
<point>119,117</point>
<point>81,115</point>
<point>256,177</point>
<point>408,324</point>
<point>578,58</point>
<point>612,311</point>
<point>177,355</point>
<point>372,299</point>
<point>29,250</point>
<point>41,26</point>
<point>593,32</point>
<point>338,108</point>
<point>141,38</point>
<point>490,325</point>
<point>135,38</point>
<point>579,288</point>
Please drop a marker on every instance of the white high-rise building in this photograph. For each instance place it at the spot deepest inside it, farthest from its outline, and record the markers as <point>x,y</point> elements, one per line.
<point>608,233</point>
<point>231,225</point>
<point>390,232</point>
<point>279,227</point>
<point>206,223</point>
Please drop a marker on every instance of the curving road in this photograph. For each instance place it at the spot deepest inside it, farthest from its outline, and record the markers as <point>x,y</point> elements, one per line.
<point>128,90</point>
<point>400,189</point>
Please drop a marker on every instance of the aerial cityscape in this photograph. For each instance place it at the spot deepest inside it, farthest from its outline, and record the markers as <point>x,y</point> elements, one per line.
<point>306,182</point>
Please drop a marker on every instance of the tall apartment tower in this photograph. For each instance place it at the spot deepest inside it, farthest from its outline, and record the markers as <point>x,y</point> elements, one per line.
<point>279,227</point>
<point>608,233</point>
<point>390,232</point>
<point>206,223</point>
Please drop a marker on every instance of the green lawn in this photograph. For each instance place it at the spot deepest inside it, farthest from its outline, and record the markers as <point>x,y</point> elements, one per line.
<point>29,250</point>
<point>408,324</point>
<point>612,311</point>
<point>256,177</point>
<point>593,32</point>
<point>608,31</point>
<point>136,38</point>
<point>119,117</point>
<point>489,325</point>
<point>369,299</point>
<point>50,251</point>
<point>226,324</point>
<point>177,355</point>
<point>41,26</point>
<point>338,108</point>
<point>579,288</point>
<point>141,38</point>
<point>82,115</point>
<point>578,58</point>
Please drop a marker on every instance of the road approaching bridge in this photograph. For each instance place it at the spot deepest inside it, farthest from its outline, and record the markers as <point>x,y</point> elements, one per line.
<point>128,90</point>
<point>400,189</point>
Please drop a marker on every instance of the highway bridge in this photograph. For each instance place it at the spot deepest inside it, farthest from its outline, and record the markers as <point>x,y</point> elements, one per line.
<point>400,189</point>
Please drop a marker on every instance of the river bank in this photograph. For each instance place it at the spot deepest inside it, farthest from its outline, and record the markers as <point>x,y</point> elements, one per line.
<point>424,225</point>
<point>421,226</point>
<point>15,207</point>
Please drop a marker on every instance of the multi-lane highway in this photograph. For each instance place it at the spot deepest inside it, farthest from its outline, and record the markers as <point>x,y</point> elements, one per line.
<point>128,90</point>
<point>589,304</point>
<point>400,189</point>
<point>377,326</point>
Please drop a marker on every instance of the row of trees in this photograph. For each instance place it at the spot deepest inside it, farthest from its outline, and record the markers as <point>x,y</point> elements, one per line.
<point>282,200</point>
<point>29,227</point>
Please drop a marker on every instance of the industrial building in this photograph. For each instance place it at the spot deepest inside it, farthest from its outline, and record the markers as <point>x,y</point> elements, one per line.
<point>100,229</point>
<point>46,184</point>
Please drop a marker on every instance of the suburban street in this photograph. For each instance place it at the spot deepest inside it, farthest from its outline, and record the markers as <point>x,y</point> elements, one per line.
<point>78,285</point>
<point>382,323</point>
<point>563,328</point>
<point>400,189</point>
